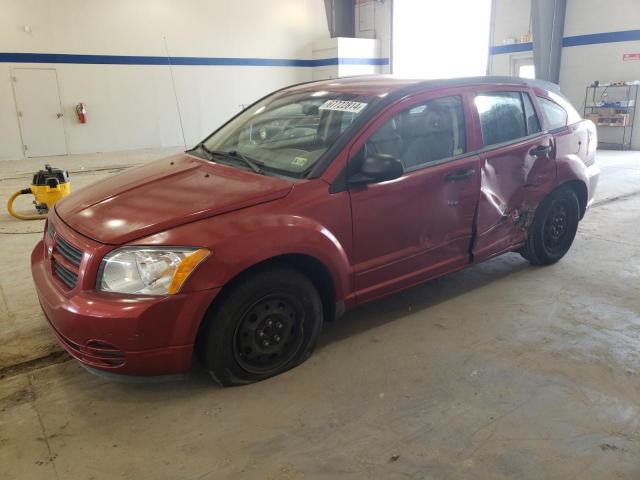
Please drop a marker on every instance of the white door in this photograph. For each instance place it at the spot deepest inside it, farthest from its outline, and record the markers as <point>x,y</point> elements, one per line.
<point>39,111</point>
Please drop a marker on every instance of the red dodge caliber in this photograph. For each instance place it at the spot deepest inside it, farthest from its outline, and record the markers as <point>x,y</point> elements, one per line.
<point>317,198</point>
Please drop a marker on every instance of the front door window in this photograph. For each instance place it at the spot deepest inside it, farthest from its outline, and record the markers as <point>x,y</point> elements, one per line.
<point>423,134</point>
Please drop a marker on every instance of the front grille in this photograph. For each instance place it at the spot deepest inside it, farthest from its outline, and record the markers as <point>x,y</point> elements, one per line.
<point>65,259</point>
<point>69,278</point>
<point>68,251</point>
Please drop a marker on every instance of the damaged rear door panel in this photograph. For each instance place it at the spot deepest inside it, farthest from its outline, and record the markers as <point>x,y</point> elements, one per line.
<point>513,182</point>
<point>517,172</point>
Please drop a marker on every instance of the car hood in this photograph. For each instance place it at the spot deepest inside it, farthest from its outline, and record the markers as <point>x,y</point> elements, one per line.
<point>164,194</point>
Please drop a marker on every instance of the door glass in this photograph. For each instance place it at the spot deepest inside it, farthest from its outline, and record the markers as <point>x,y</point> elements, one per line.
<point>555,116</point>
<point>501,117</point>
<point>533,125</point>
<point>424,133</point>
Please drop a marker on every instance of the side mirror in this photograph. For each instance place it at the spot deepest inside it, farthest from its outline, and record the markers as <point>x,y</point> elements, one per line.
<point>377,167</point>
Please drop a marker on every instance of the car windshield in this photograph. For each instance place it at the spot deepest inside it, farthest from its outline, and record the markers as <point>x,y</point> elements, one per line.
<point>286,133</point>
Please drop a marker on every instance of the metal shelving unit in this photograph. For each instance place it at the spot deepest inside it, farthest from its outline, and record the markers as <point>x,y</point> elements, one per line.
<point>613,106</point>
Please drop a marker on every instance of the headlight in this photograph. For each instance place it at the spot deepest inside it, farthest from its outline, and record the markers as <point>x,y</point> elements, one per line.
<point>148,270</point>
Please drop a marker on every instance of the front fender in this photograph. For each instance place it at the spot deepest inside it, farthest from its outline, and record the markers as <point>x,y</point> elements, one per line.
<point>240,241</point>
<point>281,235</point>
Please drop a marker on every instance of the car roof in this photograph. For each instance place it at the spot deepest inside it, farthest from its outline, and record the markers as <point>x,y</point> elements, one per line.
<point>382,85</point>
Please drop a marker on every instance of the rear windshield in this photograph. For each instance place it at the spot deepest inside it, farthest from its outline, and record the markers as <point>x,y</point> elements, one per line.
<point>289,133</point>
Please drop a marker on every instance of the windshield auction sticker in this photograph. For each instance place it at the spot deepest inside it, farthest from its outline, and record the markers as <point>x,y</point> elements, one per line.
<point>299,161</point>
<point>343,106</point>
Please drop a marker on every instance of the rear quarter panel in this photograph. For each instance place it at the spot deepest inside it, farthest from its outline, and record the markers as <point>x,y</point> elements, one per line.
<point>575,146</point>
<point>576,156</point>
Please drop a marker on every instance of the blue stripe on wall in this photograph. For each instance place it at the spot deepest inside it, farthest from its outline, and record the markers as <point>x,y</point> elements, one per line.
<point>575,41</point>
<point>511,48</point>
<point>607,37</point>
<point>215,61</point>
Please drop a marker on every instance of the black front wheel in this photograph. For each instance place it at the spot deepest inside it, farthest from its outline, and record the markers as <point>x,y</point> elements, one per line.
<point>266,324</point>
<point>553,229</point>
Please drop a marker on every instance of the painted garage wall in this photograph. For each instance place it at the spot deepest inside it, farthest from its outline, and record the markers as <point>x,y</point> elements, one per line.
<point>373,20</point>
<point>583,64</point>
<point>580,64</point>
<point>511,20</point>
<point>135,106</point>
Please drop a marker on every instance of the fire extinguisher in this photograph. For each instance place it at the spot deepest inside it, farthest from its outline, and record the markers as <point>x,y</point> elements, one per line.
<point>81,111</point>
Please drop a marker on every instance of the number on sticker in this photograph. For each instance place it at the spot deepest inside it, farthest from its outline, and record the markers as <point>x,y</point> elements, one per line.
<point>342,106</point>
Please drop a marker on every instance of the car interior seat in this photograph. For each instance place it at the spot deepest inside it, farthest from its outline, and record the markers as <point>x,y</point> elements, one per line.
<point>386,140</point>
<point>428,137</point>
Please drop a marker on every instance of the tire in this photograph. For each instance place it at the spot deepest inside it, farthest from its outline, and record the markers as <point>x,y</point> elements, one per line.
<point>266,324</point>
<point>553,229</point>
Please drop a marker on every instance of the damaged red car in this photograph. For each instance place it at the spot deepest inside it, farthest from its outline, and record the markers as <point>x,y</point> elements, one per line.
<point>317,198</point>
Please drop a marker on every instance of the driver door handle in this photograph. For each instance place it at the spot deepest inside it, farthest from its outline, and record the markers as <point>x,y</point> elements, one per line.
<point>540,151</point>
<point>460,175</point>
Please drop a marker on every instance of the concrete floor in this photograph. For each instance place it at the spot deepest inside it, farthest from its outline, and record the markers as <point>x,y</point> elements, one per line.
<point>500,371</point>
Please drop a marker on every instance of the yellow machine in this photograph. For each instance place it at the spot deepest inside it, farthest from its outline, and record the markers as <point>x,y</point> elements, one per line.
<point>48,186</point>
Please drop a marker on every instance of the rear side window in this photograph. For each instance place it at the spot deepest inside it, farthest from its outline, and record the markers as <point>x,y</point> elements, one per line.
<point>554,115</point>
<point>502,117</point>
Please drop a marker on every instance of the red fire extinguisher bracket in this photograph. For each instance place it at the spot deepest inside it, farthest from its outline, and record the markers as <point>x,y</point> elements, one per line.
<point>81,112</point>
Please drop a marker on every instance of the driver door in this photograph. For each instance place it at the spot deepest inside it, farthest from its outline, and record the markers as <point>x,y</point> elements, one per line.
<point>420,225</point>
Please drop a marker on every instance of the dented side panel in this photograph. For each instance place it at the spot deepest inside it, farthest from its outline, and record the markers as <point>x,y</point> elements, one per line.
<point>575,157</point>
<point>513,182</point>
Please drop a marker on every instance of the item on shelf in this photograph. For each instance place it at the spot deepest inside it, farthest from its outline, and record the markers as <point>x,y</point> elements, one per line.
<point>611,107</point>
<point>614,120</point>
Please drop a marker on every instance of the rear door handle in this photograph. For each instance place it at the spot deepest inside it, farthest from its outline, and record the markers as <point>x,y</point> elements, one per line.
<point>459,175</point>
<point>540,151</point>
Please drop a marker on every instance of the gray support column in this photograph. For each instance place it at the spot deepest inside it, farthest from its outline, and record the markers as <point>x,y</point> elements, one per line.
<point>341,15</point>
<point>547,19</point>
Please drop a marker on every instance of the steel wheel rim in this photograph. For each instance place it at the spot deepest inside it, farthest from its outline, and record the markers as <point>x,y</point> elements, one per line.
<point>557,226</point>
<point>269,333</point>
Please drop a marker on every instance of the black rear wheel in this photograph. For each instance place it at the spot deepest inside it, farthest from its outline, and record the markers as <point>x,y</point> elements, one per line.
<point>266,324</point>
<point>553,229</point>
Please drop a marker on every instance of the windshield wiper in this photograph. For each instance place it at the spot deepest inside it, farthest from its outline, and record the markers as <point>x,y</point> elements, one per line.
<point>252,164</point>
<point>202,146</point>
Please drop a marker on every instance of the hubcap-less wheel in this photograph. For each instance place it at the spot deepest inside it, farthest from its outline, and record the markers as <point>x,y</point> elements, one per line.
<point>269,333</point>
<point>555,226</point>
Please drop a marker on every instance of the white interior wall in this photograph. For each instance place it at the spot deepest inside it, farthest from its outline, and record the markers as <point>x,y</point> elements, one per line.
<point>580,65</point>
<point>345,47</point>
<point>373,20</point>
<point>512,19</point>
<point>583,64</point>
<point>134,106</point>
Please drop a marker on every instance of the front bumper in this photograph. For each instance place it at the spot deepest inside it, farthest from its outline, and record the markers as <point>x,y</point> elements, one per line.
<point>117,333</point>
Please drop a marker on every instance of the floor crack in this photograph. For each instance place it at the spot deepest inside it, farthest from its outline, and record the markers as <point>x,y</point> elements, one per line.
<point>3,299</point>
<point>52,358</point>
<point>44,432</point>
<point>617,198</point>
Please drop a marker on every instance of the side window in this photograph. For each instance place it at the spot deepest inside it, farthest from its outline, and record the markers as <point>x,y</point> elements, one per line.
<point>554,115</point>
<point>423,133</point>
<point>533,124</point>
<point>501,116</point>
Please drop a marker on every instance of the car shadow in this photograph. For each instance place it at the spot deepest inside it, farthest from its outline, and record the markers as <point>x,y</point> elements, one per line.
<point>420,298</point>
